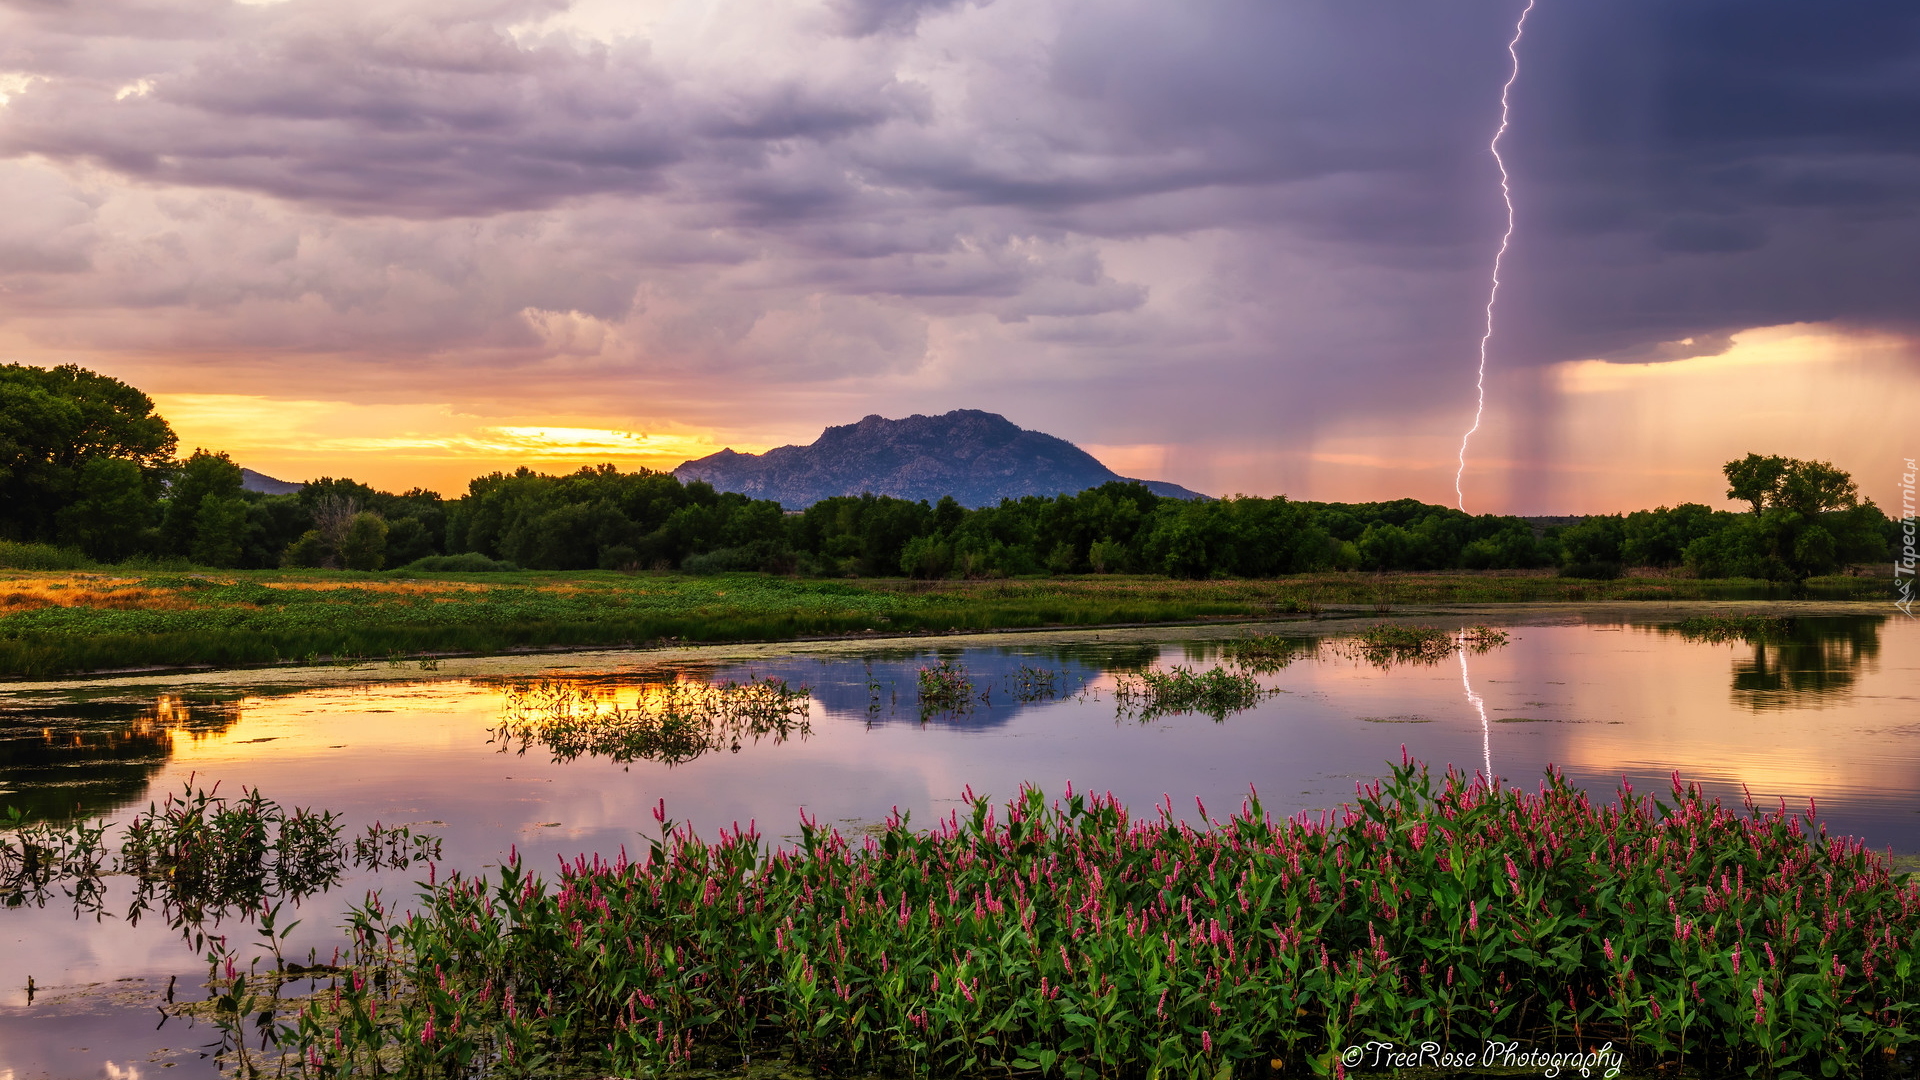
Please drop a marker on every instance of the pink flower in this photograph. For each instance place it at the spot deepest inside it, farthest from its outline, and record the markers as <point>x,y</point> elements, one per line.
<point>1206,1042</point>
<point>1606,946</point>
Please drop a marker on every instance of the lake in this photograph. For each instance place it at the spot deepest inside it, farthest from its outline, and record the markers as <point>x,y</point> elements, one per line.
<point>472,752</point>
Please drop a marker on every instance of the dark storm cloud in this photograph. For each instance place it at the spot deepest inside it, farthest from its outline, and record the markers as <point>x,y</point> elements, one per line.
<point>1685,169</point>
<point>861,18</point>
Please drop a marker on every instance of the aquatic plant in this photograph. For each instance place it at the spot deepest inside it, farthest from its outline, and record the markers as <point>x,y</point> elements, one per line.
<point>1749,628</point>
<point>1032,684</point>
<point>1267,653</point>
<point>1386,644</point>
<point>1073,938</point>
<point>34,855</point>
<point>1149,695</point>
<point>945,687</point>
<point>196,856</point>
<point>671,723</point>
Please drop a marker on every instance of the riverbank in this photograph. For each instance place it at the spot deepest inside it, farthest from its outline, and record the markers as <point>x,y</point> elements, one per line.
<point>76,623</point>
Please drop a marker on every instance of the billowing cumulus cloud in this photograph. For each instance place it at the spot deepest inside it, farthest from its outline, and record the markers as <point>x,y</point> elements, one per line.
<point>1236,229</point>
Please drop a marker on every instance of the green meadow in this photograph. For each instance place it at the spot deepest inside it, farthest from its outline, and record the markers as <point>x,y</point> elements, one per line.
<point>55,623</point>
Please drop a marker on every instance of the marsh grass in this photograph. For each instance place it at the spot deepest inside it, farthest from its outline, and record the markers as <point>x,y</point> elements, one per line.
<point>1071,938</point>
<point>672,723</point>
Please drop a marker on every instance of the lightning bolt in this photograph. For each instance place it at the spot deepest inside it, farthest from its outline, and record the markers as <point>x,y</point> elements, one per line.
<point>1506,238</point>
<point>1479,706</point>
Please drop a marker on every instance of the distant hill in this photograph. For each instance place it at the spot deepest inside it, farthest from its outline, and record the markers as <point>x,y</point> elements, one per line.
<point>261,482</point>
<point>977,457</point>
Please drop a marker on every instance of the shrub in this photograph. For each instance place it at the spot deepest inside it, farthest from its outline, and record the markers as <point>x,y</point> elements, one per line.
<point>471,562</point>
<point>364,547</point>
<point>17,556</point>
<point>1592,571</point>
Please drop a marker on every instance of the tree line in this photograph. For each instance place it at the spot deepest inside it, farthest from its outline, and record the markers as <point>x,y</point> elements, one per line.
<point>86,463</point>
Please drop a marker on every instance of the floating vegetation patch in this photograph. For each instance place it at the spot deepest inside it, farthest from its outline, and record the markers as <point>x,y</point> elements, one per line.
<point>1388,644</point>
<point>1721,628</point>
<point>1267,653</point>
<point>1525,720</point>
<point>1396,719</point>
<point>945,687</point>
<point>1070,938</point>
<point>1218,693</point>
<point>672,723</point>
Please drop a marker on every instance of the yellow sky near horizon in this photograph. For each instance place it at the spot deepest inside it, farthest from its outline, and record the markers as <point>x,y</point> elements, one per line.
<point>400,446</point>
<point>1593,437</point>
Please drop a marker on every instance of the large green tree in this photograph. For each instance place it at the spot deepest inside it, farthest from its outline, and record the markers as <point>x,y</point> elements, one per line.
<point>1807,518</point>
<point>205,515</point>
<point>53,421</point>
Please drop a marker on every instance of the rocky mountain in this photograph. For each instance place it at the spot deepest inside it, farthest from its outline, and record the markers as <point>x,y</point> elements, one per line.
<point>977,457</point>
<point>257,481</point>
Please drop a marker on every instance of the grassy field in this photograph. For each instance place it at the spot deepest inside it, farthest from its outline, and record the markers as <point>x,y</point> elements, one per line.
<point>65,622</point>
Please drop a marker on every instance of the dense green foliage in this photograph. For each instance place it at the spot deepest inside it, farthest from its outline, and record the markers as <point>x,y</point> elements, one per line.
<point>82,457</point>
<point>85,464</point>
<point>1073,939</point>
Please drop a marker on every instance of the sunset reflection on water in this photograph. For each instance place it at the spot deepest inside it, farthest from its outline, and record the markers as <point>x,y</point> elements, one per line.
<point>1825,713</point>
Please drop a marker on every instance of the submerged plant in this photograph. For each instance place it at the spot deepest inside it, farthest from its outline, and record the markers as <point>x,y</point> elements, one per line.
<point>1218,692</point>
<point>1073,938</point>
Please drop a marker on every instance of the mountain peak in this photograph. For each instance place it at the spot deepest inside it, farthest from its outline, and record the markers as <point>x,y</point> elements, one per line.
<point>977,457</point>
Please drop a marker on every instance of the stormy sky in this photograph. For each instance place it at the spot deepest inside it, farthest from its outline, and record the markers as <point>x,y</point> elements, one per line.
<point>1239,244</point>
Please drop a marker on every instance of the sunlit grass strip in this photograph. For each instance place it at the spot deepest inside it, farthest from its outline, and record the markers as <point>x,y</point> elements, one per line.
<point>1071,937</point>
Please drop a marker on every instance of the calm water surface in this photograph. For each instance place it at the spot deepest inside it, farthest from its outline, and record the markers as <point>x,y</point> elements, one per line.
<point>1829,715</point>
